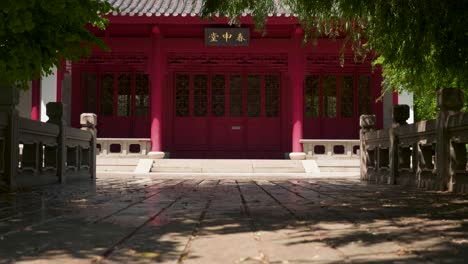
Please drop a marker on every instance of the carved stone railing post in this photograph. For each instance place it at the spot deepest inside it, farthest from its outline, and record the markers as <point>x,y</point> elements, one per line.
<point>458,167</point>
<point>88,122</point>
<point>449,101</point>
<point>8,100</point>
<point>54,111</point>
<point>367,123</point>
<point>400,113</point>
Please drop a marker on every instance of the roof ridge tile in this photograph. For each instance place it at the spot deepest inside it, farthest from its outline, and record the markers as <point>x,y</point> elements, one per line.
<point>176,8</point>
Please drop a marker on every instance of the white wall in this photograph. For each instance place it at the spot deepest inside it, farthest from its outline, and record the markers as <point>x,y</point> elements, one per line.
<point>25,102</point>
<point>403,98</point>
<point>407,99</point>
<point>48,92</point>
<point>387,109</point>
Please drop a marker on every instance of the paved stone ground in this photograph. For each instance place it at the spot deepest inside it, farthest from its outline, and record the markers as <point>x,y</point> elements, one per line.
<point>141,219</point>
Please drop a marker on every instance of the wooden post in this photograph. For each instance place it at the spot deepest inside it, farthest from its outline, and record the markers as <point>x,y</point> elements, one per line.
<point>450,102</point>
<point>55,113</point>
<point>297,72</point>
<point>367,124</point>
<point>59,83</point>
<point>8,100</point>
<point>157,73</point>
<point>400,113</point>
<point>88,122</point>
<point>36,100</point>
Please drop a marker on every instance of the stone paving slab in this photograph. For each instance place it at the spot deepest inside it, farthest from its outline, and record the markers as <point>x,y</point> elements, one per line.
<point>146,219</point>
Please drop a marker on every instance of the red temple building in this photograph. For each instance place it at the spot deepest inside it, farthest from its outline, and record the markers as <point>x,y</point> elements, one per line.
<point>205,89</point>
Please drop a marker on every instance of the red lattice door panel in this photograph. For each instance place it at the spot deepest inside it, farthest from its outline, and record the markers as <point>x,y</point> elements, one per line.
<point>121,102</point>
<point>226,115</point>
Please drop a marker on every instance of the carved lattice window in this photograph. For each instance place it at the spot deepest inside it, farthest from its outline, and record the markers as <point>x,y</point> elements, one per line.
<point>88,86</point>
<point>272,84</point>
<point>364,94</point>
<point>200,95</point>
<point>235,86</point>
<point>141,94</point>
<point>311,97</point>
<point>124,94</point>
<point>107,94</point>
<point>347,96</point>
<point>218,94</point>
<point>329,96</point>
<point>182,95</point>
<point>253,95</point>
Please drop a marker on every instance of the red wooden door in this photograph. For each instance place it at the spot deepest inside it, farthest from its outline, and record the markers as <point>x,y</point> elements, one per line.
<point>227,115</point>
<point>333,103</point>
<point>121,102</point>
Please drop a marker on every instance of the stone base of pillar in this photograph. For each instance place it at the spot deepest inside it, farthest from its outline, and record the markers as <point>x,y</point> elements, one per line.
<point>297,155</point>
<point>156,155</point>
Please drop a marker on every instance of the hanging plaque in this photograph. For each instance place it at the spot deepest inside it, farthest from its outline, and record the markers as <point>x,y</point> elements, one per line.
<point>227,36</point>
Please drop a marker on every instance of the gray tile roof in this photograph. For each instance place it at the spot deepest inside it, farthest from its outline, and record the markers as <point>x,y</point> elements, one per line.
<point>171,8</point>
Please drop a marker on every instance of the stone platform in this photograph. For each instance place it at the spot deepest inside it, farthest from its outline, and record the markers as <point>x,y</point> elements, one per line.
<point>224,167</point>
<point>147,219</point>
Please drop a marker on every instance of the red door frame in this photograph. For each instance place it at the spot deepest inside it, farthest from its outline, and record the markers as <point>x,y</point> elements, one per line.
<point>348,127</point>
<point>242,147</point>
<point>136,126</point>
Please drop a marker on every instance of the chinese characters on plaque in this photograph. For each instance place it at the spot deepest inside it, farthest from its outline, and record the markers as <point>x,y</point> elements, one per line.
<point>227,36</point>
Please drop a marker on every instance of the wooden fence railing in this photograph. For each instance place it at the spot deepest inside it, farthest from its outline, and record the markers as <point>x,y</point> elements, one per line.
<point>429,154</point>
<point>35,153</point>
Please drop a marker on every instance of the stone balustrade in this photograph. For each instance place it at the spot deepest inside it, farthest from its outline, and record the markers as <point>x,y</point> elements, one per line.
<point>429,154</point>
<point>34,153</point>
<point>323,148</point>
<point>130,147</point>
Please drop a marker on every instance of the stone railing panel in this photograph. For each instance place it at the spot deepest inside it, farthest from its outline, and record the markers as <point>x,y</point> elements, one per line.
<point>430,154</point>
<point>415,141</point>
<point>34,131</point>
<point>323,148</point>
<point>457,127</point>
<point>426,170</point>
<point>38,145</point>
<point>8,101</point>
<point>377,155</point>
<point>76,137</point>
<point>123,147</point>
<point>3,127</point>
<point>34,153</point>
<point>423,131</point>
<point>78,146</point>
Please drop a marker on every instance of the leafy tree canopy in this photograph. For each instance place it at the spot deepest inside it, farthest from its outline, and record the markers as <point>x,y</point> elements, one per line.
<point>422,44</point>
<point>36,35</point>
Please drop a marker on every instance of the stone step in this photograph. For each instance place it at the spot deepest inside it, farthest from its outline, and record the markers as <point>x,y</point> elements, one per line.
<point>227,166</point>
<point>116,162</point>
<point>338,162</point>
<point>223,166</point>
<point>339,166</point>
<point>114,168</point>
<point>339,169</point>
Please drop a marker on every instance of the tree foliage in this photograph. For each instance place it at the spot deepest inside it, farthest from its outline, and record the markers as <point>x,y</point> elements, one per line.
<point>36,35</point>
<point>422,45</point>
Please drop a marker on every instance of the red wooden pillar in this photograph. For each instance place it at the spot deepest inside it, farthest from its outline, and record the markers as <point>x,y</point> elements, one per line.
<point>36,99</point>
<point>60,75</point>
<point>395,97</point>
<point>297,72</point>
<point>157,74</point>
